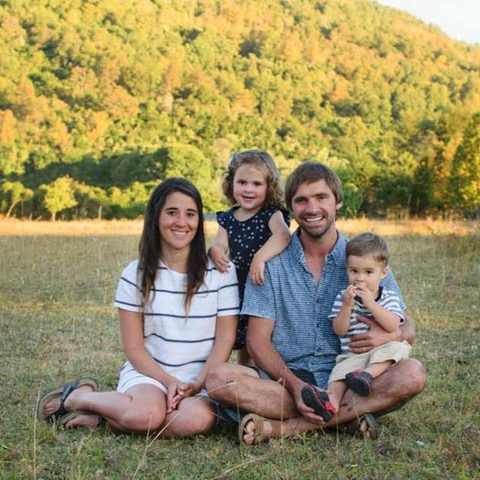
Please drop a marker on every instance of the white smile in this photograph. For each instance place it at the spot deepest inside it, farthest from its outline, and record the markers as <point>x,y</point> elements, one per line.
<point>318,218</point>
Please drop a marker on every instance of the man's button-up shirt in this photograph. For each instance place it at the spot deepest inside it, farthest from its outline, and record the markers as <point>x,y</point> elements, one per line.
<point>303,334</point>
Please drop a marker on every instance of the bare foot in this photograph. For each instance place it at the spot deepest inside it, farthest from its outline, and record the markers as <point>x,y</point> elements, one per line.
<point>254,433</point>
<point>52,406</point>
<point>89,421</point>
<point>254,429</point>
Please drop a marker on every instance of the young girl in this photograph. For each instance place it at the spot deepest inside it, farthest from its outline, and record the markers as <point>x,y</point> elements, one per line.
<point>255,229</point>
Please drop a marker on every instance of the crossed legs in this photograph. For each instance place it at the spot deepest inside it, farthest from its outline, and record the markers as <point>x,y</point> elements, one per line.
<point>240,388</point>
<point>142,409</point>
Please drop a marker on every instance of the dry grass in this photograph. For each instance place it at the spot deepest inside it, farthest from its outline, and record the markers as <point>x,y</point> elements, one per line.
<point>134,227</point>
<point>57,322</point>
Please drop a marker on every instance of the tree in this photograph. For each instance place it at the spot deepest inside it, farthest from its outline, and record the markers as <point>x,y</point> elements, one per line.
<point>465,179</point>
<point>16,193</point>
<point>59,196</point>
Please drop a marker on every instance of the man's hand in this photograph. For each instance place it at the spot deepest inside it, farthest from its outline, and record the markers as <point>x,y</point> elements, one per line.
<point>306,411</point>
<point>364,342</point>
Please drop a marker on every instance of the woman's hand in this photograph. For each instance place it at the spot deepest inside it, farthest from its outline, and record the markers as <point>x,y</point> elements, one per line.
<point>177,391</point>
<point>173,394</point>
<point>191,389</point>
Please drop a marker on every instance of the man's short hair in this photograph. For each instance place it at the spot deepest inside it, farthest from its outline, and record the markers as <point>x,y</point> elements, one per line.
<point>310,172</point>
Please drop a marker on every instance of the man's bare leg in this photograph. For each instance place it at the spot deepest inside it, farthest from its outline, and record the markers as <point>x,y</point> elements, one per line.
<point>241,388</point>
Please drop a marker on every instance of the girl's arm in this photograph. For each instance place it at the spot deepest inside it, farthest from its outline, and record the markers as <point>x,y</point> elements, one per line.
<point>274,245</point>
<point>218,252</point>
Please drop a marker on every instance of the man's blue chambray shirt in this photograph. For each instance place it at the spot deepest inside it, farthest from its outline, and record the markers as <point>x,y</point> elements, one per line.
<point>303,334</point>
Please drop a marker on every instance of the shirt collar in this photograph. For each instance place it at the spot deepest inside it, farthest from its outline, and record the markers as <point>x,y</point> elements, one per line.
<point>337,254</point>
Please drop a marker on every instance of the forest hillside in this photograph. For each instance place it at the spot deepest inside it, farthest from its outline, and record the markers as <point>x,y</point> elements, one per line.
<point>101,99</point>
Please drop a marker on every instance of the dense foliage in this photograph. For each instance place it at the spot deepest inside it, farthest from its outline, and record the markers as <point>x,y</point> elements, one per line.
<point>100,99</point>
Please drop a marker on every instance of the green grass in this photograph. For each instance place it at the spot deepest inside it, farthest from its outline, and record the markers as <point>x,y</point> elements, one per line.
<point>57,322</point>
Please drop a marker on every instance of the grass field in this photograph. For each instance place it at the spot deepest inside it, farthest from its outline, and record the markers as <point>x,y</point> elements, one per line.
<point>57,322</point>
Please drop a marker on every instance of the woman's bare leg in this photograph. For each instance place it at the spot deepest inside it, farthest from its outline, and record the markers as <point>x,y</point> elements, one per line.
<point>141,409</point>
<point>194,416</point>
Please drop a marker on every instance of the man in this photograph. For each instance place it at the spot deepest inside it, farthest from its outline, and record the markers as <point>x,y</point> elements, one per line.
<point>290,336</point>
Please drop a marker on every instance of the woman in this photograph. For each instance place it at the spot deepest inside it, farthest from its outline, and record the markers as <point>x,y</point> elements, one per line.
<point>178,318</point>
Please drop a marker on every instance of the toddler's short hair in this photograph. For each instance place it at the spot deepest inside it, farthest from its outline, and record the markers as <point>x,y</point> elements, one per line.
<point>369,244</point>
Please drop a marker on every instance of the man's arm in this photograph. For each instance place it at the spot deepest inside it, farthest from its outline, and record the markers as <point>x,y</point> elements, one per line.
<point>363,342</point>
<point>260,348</point>
<point>407,330</point>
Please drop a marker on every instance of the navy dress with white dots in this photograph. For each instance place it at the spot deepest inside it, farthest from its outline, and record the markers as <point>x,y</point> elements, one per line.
<point>244,240</point>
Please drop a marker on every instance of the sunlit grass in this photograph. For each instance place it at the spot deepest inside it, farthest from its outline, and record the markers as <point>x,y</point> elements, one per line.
<point>134,227</point>
<point>57,322</point>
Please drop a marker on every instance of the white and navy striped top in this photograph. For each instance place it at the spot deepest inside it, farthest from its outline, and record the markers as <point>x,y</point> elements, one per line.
<point>180,346</point>
<point>388,299</point>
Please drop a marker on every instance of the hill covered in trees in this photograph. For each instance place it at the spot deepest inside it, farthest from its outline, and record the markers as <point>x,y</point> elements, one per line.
<point>100,99</point>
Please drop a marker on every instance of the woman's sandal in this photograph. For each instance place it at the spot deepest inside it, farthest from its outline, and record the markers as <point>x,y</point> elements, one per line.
<point>62,421</point>
<point>259,423</point>
<point>62,392</point>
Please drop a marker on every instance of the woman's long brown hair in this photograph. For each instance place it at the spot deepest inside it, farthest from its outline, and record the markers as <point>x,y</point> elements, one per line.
<point>150,248</point>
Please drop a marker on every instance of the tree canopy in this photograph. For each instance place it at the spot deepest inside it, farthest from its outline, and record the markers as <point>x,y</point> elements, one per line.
<point>115,96</point>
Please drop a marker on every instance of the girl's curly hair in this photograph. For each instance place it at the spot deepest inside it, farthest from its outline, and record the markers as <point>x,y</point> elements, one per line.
<point>264,162</point>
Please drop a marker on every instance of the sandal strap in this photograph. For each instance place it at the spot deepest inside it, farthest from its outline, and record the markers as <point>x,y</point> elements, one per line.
<point>67,390</point>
